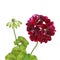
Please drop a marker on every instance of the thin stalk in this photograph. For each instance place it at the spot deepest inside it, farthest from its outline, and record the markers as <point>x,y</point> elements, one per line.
<point>34,47</point>
<point>14,33</point>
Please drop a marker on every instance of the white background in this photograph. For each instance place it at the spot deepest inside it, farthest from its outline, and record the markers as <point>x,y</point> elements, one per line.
<point>23,10</point>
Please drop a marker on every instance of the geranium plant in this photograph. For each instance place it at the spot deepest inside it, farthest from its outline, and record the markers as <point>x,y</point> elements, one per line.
<point>40,29</point>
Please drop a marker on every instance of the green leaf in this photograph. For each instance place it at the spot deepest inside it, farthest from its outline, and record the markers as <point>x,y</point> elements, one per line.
<point>16,42</point>
<point>23,40</point>
<point>20,56</point>
<point>26,57</point>
<point>15,51</point>
<point>30,57</point>
<point>22,48</point>
<point>10,57</point>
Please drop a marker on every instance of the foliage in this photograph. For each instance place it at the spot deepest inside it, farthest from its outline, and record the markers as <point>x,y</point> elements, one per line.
<point>19,51</point>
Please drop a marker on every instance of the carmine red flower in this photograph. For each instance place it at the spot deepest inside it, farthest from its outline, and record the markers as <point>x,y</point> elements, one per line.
<point>40,28</point>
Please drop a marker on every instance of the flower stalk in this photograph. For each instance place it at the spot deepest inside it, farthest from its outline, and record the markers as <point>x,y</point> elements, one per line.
<point>34,47</point>
<point>14,33</point>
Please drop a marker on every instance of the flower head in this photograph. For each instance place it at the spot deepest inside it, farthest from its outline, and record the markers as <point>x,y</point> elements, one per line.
<point>40,28</point>
<point>14,23</point>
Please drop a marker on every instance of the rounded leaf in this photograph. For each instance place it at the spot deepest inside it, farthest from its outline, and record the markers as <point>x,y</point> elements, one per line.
<point>10,57</point>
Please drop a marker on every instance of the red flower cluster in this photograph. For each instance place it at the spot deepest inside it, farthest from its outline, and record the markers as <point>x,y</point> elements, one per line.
<point>40,28</point>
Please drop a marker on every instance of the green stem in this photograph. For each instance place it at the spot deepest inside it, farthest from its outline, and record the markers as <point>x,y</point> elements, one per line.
<point>34,47</point>
<point>14,33</point>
